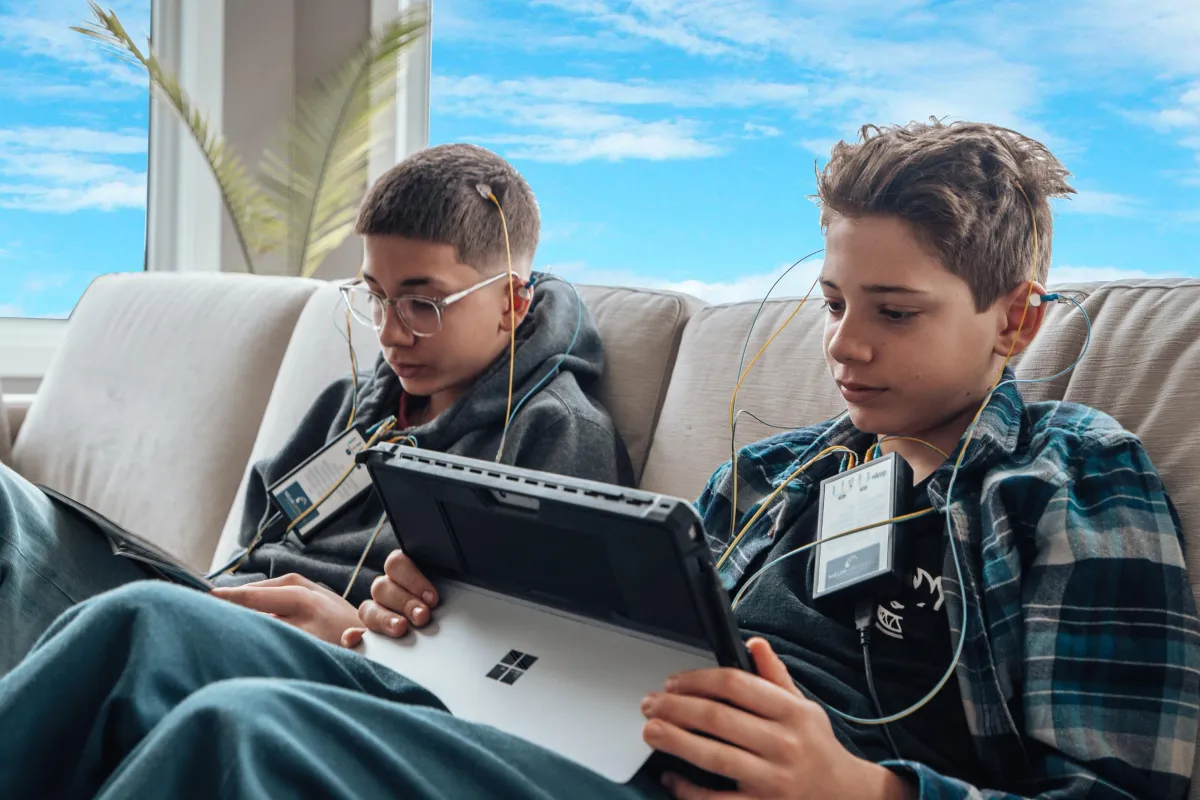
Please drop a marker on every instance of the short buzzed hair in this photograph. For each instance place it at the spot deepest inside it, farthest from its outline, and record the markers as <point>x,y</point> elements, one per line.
<point>963,189</point>
<point>432,196</point>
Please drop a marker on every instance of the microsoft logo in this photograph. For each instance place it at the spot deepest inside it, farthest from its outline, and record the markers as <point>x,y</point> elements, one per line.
<point>512,666</point>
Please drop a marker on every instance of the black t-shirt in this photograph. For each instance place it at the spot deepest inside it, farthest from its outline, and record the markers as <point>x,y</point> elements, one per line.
<point>911,645</point>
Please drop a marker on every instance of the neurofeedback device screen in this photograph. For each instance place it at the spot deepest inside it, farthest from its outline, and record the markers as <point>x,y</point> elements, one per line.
<point>612,567</point>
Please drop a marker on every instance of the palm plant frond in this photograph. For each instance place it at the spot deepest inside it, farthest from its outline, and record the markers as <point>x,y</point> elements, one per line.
<point>313,183</point>
<point>254,225</point>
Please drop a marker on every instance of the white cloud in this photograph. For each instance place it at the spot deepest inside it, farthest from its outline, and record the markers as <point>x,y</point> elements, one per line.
<point>571,132</point>
<point>12,310</point>
<point>107,196</point>
<point>753,130</point>
<point>571,90</point>
<point>1108,204</point>
<point>621,140</point>
<point>819,147</point>
<point>1159,34</point>
<point>576,119</point>
<point>79,140</point>
<point>61,169</point>
<point>926,69</point>
<point>1060,274</point>
<point>43,28</point>
<point>751,286</point>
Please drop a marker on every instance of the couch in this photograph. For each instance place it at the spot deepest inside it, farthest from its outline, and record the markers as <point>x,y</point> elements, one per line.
<point>169,385</point>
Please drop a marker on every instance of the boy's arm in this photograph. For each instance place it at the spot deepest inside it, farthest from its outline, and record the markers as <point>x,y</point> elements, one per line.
<point>1111,686</point>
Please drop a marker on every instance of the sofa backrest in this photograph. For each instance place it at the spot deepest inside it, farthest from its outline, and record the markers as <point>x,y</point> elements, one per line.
<point>152,403</point>
<point>641,331</point>
<point>316,356</point>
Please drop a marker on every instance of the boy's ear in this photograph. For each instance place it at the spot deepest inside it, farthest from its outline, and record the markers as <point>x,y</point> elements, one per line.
<point>524,299</point>
<point>1018,320</point>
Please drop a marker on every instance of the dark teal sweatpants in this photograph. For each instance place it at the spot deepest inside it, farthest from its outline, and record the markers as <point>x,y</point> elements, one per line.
<point>152,691</point>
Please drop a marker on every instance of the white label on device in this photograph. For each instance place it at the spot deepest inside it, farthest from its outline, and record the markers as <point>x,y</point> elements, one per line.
<point>299,491</point>
<point>851,501</point>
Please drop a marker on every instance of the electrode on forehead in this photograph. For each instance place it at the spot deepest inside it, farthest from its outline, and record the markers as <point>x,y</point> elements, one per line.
<point>864,561</point>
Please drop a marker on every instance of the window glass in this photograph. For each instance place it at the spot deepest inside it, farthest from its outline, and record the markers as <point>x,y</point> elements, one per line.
<point>73,140</point>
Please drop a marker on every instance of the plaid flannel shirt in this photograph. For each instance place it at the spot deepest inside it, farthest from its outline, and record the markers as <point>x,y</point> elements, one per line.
<point>1080,673</point>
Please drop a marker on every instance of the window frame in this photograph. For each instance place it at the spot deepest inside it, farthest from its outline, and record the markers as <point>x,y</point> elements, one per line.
<point>191,39</point>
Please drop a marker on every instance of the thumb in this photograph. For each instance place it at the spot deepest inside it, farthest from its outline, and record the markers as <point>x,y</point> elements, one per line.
<point>768,665</point>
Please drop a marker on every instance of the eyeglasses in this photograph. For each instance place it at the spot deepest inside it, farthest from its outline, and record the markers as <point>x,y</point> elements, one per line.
<point>421,315</point>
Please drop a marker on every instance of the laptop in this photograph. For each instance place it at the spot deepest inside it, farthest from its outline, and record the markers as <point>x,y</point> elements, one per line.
<point>563,601</point>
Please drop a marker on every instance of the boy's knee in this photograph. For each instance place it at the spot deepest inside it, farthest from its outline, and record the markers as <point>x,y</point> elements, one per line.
<point>147,599</point>
<point>245,705</point>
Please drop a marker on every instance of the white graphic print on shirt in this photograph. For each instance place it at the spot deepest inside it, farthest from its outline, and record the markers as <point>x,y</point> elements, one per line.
<point>889,619</point>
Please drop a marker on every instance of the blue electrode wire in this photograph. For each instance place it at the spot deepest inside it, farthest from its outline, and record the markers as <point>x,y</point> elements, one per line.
<point>968,435</point>
<point>562,358</point>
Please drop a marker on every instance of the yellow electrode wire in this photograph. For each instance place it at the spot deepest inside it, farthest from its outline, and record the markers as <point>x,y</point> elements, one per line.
<point>733,402</point>
<point>374,534</point>
<point>512,311</point>
<point>766,502</point>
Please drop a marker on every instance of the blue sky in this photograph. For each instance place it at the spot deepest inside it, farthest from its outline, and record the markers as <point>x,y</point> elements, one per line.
<point>670,142</point>
<point>73,124</point>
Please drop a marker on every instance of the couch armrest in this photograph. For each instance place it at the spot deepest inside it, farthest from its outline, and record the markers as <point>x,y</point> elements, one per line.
<point>13,408</point>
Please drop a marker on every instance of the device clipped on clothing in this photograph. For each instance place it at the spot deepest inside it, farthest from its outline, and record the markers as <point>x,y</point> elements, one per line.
<point>323,484</point>
<point>864,562</point>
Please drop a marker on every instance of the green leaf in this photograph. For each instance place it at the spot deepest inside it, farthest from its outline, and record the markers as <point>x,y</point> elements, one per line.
<point>253,223</point>
<point>315,180</point>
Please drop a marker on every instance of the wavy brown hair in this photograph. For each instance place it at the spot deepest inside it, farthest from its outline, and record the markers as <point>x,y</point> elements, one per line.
<point>966,189</point>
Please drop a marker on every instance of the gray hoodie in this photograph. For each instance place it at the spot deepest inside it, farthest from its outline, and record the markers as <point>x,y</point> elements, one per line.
<point>561,428</point>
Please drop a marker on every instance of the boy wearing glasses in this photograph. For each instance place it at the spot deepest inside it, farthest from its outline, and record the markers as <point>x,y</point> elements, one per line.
<point>435,288</point>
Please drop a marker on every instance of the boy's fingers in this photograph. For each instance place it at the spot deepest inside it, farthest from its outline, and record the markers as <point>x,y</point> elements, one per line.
<point>382,620</point>
<point>283,601</point>
<point>291,579</point>
<point>401,569</point>
<point>352,636</point>
<point>397,600</point>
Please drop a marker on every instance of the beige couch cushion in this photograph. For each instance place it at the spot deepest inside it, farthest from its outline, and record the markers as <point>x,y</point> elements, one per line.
<point>150,408</point>
<point>316,356</point>
<point>789,386</point>
<point>641,331</point>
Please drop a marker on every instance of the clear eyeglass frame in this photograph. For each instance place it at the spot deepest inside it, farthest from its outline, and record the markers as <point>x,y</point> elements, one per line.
<point>421,315</point>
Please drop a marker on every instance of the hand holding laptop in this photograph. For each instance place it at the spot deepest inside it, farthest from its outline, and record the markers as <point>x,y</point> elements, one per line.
<point>765,734</point>
<point>400,597</point>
